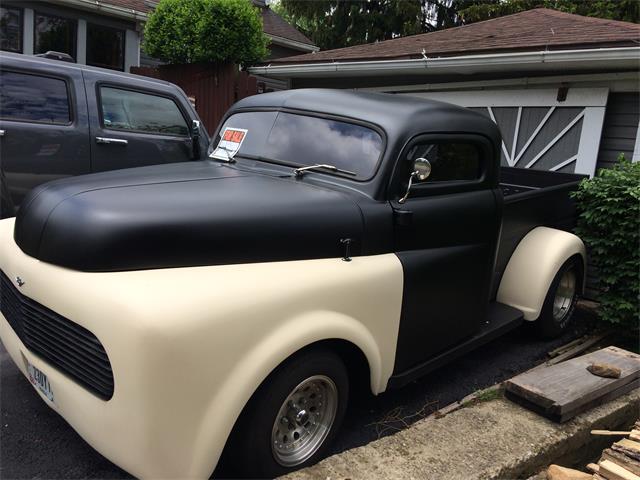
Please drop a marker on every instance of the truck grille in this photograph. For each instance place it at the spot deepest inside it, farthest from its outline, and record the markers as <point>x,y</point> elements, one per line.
<point>67,346</point>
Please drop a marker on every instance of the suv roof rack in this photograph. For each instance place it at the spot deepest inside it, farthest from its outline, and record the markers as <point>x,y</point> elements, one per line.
<point>63,57</point>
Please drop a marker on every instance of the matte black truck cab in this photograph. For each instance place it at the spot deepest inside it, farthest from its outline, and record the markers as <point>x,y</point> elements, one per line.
<point>60,119</point>
<point>329,236</point>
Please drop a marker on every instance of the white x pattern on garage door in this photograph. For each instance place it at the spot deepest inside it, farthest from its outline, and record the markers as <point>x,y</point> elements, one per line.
<point>538,130</point>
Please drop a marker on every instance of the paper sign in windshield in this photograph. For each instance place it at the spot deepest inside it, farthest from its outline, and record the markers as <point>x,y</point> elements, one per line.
<point>229,144</point>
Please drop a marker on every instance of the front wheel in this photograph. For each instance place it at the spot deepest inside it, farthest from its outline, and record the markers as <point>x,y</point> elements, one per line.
<point>560,301</point>
<point>293,416</point>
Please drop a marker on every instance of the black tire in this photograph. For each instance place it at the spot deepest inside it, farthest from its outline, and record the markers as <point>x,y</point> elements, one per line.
<point>249,452</point>
<point>550,324</point>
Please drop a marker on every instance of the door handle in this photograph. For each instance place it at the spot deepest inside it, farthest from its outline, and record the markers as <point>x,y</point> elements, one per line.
<point>111,141</point>
<point>2,133</point>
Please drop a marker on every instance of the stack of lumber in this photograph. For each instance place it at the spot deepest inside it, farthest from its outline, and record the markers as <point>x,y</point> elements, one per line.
<point>620,462</point>
<point>564,390</point>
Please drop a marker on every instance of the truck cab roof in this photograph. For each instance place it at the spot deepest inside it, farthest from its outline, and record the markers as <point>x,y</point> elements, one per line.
<point>398,118</point>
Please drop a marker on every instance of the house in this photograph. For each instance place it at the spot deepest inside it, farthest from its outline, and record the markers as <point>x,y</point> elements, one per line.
<point>563,88</point>
<point>108,33</point>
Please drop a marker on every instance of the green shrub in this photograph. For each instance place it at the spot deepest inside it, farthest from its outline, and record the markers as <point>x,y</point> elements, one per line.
<point>609,224</point>
<point>218,31</point>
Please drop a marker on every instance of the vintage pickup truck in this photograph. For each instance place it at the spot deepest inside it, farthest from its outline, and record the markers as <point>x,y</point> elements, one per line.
<point>173,312</point>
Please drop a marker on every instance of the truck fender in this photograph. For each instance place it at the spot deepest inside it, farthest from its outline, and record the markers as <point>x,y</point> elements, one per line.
<point>241,383</point>
<point>533,265</point>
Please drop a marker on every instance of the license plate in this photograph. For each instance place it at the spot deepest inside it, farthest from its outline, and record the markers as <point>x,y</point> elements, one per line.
<point>39,380</point>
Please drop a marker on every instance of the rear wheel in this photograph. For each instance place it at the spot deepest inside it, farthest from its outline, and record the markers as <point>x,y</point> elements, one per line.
<point>560,301</point>
<point>293,416</point>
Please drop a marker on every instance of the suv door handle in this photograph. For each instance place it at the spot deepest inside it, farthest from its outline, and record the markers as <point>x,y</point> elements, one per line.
<point>2,133</point>
<point>111,141</point>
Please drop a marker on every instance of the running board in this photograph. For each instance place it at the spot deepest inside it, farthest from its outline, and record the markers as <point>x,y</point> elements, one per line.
<point>500,319</point>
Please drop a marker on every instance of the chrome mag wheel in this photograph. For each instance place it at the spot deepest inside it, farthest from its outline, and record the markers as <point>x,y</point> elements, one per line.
<point>565,295</point>
<point>304,420</point>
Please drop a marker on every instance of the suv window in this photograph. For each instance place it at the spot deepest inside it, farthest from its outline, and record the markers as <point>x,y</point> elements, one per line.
<point>33,98</point>
<point>141,112</point>
<point>450,162</point>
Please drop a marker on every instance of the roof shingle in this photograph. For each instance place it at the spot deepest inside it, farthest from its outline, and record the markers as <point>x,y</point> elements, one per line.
<point>537,29</point>
<point>274,24</point>
<point>143,6</point>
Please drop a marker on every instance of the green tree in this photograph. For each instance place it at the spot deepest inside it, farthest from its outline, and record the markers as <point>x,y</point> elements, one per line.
<point>609,224</point>
<point>470,11</point>
<point>191,31</point>
<point>343,23</point>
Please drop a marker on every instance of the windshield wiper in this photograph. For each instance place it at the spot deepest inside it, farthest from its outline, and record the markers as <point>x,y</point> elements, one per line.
<point>298,172</point>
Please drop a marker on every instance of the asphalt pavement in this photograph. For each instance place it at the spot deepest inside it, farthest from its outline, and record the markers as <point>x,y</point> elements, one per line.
<point>36,443</point>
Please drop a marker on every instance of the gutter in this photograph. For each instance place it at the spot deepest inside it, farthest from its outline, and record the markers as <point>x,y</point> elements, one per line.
<point>103,8</point>
<point>625,57</point>
<point>287,42</point>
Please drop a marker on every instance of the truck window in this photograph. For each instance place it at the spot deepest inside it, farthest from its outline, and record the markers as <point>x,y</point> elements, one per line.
<point>450,162</point>
<point>300,140</point>
<point>141,112</point>
<point>34,98</point>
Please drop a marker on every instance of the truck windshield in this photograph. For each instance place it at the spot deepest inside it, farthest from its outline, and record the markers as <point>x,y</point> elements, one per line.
<point>301,140</point>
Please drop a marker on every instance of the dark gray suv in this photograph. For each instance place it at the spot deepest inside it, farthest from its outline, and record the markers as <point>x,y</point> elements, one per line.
<point>60,119</point>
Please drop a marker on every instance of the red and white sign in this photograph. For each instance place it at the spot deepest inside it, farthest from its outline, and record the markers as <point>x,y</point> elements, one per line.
<point>230,142</point>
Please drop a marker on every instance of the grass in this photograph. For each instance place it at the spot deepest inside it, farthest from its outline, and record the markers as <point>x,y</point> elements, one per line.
<point>481,396</point>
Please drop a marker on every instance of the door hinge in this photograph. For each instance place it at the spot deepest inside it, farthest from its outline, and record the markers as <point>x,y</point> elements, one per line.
<point>403,218</point>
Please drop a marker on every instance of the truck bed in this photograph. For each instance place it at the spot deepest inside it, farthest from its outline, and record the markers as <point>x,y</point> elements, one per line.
<point>532,198</point>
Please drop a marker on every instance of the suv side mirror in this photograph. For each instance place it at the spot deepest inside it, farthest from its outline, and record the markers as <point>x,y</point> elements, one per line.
<point>195,138</point>
<point>421,171</point>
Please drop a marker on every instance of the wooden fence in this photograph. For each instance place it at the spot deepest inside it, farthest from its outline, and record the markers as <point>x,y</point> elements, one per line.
<point>212,88</point>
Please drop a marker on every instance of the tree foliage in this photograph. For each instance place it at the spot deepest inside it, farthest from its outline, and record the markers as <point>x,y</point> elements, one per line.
<point>191,31</point>
<point>343,23</point>
<point>478,10</point>
<point>609,224</point>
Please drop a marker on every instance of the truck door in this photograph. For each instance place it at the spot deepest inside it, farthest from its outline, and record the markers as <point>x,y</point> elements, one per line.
<point>133,124</point>
<point>44,133</point>
<point>446,233</point>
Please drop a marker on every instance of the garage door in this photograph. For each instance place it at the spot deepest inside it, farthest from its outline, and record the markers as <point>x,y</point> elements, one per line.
<point>540,128</point>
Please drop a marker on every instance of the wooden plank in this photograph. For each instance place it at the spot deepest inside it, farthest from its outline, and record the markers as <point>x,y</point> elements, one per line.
<point>609,432</point>
<point>556,472</point>
<point>568,415</point>
<point>565,387</point>
<point>581,347</point>
<point>621,459</point>
<point>613,471</point>
<point>628,447</point>
<point>629,444</point>
<point>607,397</point>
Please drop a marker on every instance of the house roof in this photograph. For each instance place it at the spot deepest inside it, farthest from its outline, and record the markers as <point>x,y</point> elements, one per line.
<point>275,25</point>
<point>531,30</point>
<point>143,6</point>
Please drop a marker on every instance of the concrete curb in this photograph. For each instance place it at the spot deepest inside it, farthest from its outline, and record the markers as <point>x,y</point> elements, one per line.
<point>495,439</point>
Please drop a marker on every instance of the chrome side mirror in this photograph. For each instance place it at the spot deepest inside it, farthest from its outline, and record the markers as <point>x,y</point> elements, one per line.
<point>195,127</point>
<point>195,139</point>
<point>421,171</point>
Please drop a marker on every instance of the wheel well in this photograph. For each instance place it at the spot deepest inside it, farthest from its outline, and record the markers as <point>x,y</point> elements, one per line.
<point>354,360</point>
<point>357,368</point>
